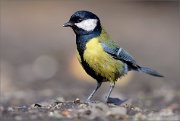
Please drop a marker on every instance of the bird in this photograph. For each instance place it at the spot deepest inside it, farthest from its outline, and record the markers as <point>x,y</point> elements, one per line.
<point>101,57</point>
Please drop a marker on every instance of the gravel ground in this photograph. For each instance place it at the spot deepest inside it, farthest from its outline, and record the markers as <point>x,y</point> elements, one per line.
<point>77,110</point>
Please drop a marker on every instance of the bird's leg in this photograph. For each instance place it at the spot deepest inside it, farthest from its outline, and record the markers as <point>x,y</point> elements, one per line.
<point>110,90</point>
<point>94,91</point>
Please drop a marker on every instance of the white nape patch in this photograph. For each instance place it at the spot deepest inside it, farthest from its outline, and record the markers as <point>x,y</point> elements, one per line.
<point>88,25</point>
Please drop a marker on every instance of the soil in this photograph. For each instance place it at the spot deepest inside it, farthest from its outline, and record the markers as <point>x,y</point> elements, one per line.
<point>77,110</point>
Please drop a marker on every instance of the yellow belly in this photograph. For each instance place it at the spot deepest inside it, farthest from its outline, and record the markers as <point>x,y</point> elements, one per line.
<point>101,62</point>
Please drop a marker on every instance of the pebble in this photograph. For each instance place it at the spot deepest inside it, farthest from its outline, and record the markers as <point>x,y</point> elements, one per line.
<point>77,100</point>
<point>10,109</point>
<point>37,105</point>
<point>55,114</point>
<point>139,116</point>
<point>83,105</point>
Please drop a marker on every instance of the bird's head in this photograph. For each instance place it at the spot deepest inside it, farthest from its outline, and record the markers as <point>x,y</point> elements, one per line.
<point>84,23</point>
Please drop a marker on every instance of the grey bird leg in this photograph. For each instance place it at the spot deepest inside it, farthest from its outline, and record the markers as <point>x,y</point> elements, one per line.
<point>110,90</point>
<point>94,91</point>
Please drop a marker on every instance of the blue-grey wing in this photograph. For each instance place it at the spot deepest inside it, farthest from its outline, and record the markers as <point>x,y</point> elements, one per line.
<point>124,55</point>
<point>120,54</point>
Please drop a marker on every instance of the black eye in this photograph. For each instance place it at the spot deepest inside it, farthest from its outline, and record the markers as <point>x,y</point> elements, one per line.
<point>76,19</point>
<point>79,20</point>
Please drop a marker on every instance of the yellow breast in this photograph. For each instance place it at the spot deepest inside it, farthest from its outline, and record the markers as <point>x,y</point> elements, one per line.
<point>101,62</point>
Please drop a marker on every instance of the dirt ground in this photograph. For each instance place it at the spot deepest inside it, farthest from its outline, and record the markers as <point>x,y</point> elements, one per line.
<point>162,106</point>
<point>76,110</point>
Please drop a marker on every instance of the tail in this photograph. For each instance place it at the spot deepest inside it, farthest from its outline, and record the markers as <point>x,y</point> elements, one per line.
<point>149,71</point>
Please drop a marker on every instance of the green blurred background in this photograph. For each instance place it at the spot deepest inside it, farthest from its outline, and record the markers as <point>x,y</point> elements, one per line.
<point>37,53</point>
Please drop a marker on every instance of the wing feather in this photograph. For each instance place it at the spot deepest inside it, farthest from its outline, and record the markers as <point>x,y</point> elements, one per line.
<point>120,54</point>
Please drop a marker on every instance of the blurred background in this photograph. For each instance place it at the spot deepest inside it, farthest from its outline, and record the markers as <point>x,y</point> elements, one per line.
<point>37,55</point>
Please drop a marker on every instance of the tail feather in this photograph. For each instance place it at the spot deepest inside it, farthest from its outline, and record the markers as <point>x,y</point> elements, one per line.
<point>149,71</point>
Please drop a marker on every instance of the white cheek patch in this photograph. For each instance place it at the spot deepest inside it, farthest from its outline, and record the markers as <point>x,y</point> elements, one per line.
<point>88,25</point>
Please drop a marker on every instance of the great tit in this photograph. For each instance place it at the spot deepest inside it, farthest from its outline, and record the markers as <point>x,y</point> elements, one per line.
<point>101,57</point>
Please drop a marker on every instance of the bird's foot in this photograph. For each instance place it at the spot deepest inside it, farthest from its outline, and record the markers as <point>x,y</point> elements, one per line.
<point>115,101</point>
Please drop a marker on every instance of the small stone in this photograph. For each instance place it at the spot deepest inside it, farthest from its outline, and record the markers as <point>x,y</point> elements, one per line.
<point>10,109</point>
<point>37,105</point>
<point>83,105</point>
<point>139,116</point>
<point>77,100</point>
<point>137,109</point>
<point>66,113</point>
<point>55,114</point>
<point>50,114</point>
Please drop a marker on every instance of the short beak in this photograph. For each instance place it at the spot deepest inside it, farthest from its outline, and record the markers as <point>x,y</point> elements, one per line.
<point>68,24</point>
